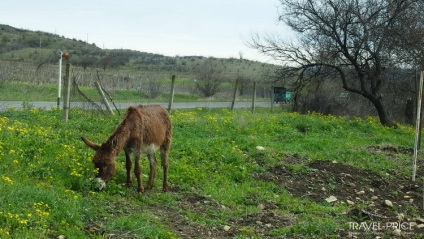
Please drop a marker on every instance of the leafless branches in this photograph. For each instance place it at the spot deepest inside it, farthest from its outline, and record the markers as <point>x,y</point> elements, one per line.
<point>359,37</point>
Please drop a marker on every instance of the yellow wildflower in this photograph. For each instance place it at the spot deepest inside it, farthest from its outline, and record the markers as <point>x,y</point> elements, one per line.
<point>7,179</point>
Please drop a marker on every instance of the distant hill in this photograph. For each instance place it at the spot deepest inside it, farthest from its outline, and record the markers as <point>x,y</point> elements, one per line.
<point>42,48</point>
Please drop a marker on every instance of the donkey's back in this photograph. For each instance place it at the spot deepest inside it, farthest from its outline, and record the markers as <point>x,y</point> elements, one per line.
<point>150,126</point>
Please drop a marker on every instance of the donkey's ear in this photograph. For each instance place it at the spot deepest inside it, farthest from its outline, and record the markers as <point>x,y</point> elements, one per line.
<point>90,144</point>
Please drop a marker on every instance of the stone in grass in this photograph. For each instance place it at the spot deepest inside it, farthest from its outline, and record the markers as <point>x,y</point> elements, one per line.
<point>331,199</point>
<point>261,206</point>
<point>388,203</point>
<point>418,219</point>
<point>396,232</point>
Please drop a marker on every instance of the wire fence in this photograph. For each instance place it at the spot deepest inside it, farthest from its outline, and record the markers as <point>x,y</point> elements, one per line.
<point>123,87</point>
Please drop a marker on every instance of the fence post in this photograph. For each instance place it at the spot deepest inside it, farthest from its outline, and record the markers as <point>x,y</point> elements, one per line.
<point>59,80</point>
<point>235,93</point>
<point>105,102</point>
<point>417,127</point>
<point>254,97</point>
<point>171,99</point>
<point>272,99</point>
<point>66,102</point>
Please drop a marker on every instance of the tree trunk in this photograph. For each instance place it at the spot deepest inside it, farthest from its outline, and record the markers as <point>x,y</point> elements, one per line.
<point>382,114</point>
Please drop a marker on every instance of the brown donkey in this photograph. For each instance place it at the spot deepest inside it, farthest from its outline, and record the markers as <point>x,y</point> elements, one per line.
<point>144,129</point>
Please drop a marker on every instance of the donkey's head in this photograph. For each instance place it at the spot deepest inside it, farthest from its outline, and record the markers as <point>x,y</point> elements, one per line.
<point>104,161</point>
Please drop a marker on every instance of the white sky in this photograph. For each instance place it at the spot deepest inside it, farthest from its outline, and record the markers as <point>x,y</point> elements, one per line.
<point>218,28</point>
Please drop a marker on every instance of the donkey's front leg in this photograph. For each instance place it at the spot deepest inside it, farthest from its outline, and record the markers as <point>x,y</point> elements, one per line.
<point>137,172</point>
<point>128,166</point>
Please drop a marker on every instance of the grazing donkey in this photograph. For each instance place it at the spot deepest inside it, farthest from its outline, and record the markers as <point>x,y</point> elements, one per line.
<point>144,129</point>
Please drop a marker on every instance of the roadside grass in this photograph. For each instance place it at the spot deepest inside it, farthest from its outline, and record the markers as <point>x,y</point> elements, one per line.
<point>23,91</point>
<point>28,92</point>
<point>46,172</point>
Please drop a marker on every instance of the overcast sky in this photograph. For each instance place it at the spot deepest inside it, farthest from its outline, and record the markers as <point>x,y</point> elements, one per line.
<point>218,28</point>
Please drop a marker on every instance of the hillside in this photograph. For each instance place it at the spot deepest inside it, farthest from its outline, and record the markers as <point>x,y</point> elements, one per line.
<point>42,48</point>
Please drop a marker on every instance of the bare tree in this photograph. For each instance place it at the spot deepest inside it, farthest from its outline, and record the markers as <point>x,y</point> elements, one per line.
<point>87,62</point>
<point>410,38</point>
<point>209,78</point>
<point>353,38</point>
<point>106,62</point>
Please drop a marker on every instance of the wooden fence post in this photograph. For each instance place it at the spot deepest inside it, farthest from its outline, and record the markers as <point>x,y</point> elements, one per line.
<point>272,99</point>
<point>66,102</point>
<point>417,127</point>
<point>171,99</point>
<point>235,93</point>
<point>254,97</point>
<point>105,102</point>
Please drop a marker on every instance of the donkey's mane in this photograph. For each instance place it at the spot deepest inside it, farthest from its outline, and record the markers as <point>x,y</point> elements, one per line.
<point>120,135</point>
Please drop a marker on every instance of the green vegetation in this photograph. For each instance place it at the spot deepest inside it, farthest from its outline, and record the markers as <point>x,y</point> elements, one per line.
<point>46,174</point>
<point>20,91</point>
<point>29,92</point>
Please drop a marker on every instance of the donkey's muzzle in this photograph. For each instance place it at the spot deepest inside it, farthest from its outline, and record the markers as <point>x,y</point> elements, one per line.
<point>100,183</point>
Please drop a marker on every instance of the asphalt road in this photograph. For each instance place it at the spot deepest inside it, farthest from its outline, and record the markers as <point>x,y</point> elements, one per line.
<point>120,105</point>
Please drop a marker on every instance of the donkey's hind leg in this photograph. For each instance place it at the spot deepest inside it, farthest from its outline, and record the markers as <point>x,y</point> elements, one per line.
<point>137,172</point>
<point>164,152</point>
<point>128,166</point>
<point>152,162</point>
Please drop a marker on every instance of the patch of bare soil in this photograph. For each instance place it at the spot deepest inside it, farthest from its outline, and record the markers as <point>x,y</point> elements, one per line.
<point>176,220</point>
<point>365,191</point>
<point>259,224</point>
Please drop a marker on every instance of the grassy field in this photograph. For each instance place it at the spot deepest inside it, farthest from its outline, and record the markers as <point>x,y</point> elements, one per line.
<point>28,92</point>
<point>233,174</point>
<point>22,91</point>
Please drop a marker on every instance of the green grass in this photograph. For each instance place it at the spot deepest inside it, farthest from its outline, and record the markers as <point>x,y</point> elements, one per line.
<point>19,91</point>
<point>24,91</point>
<point>46,171</point>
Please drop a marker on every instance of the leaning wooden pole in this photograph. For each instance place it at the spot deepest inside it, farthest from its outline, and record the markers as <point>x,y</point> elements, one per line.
<point>417,127</point>
<point>105,102</point>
